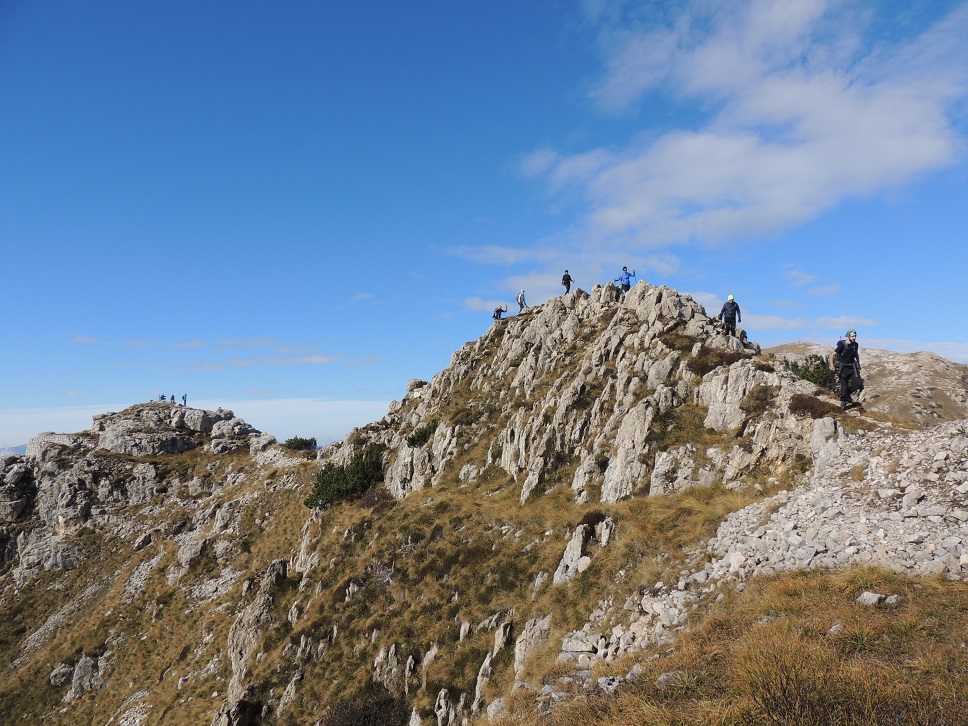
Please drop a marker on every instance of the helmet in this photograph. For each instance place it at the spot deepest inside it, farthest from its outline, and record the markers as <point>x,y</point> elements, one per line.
<point>730,297</point>
<point>850,333</point>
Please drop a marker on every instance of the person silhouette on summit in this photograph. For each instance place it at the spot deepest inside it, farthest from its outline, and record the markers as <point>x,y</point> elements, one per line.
<point>566,281</point>
<point>625,280</point>
<point>730,315</point>
<point>845,360</point>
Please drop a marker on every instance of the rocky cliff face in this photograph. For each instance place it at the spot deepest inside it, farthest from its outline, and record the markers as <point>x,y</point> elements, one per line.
<point>162,567</point>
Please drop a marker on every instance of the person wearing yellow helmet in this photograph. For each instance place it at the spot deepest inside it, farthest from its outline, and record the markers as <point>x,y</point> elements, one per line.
<point>845,360</point>
<point>730,315</point>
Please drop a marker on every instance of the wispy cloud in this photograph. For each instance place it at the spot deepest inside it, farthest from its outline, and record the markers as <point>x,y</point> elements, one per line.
<point>801,113</point>
<point>823,290</point>
<point>190,344</point>
<point>500,255</point>
<point>268,360</point>
<point>85,340</point>
<point>799,277</point>
<point>363,296</point>
<point>777,322</point>
<point>247,343</point>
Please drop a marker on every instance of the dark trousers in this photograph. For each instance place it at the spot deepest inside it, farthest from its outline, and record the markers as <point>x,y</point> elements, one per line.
<point>730,325</point>
<point>850,381</point>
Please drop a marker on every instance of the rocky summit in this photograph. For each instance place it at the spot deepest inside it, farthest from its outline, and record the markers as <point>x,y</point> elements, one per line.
<point>555,508</point>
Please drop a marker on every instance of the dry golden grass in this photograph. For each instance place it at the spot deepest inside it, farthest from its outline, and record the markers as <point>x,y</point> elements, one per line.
<point>768,656</point>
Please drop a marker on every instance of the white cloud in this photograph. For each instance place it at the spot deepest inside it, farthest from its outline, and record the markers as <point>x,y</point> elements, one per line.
<point>500,255</point>
<point>798,277</point>
<point>801,114</point>
<point>777,322</point>
<point>478,303</point>
<point>87,340</point>
<point>823,290</point>
<point>296,360</point>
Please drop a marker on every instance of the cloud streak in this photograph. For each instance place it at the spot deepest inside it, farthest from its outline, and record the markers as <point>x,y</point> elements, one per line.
<point>801,113</point>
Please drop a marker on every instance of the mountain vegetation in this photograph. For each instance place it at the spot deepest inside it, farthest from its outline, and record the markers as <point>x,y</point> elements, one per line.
<point>602,511</point>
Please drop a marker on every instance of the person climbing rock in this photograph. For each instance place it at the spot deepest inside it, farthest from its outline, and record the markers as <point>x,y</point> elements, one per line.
<point>845,360</point>
<point>730,315</point>
<point>522,303</point>
<point>499,311</point>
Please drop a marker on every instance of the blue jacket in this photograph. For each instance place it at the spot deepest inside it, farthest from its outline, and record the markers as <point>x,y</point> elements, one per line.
<point>625,277</point>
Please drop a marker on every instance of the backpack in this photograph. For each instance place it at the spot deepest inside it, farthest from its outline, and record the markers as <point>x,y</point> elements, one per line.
<point>517,298</point>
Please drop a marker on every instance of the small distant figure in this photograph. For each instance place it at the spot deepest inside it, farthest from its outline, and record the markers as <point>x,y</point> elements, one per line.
<point>499,311</point>
<point>163,398</point>
<point>566,281</point>
<point>625,280</point>
<point>730,315</point>
<point>522,303</point>
<point>845,360</point>
<point>173,398</point>
<point>184,399</point>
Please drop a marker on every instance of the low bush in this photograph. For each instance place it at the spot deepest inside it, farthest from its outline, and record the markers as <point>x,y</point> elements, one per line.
<point>373,707</point>
<point>814,369</point>
<point>803,405</point>
<point>422,434</point>
<point>297,443</point>
<point>335,482</point>
<point>709,359</point>
<point>758,399</point>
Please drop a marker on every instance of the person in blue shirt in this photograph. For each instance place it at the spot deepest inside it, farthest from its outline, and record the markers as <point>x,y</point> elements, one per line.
<point>625,280</point>
<point>522,303</point>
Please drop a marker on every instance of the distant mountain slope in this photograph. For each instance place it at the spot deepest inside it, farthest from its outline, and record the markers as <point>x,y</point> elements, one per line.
<point>921,388</point>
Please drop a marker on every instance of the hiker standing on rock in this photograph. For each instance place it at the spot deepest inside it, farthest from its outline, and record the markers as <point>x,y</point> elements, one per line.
<point>730,315</point>
<point>566,281</point>
<point>499,311</point>
<point>625,280</point>
<point>522,303</point>
<point>845,360</point>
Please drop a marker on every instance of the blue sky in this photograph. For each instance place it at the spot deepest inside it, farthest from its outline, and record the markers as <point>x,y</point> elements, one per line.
<point>291,209</point>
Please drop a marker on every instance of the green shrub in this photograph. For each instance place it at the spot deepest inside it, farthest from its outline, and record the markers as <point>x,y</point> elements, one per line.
<point>814,369</point>
<point>422,434</point>
<point>297,443</point>
<point>335,482</point>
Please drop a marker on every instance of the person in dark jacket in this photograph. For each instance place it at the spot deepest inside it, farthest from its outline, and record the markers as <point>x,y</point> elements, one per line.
<point>499,311</point>
<point>566,281</point>
<point>845,360</point>
<point>730,315</point>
